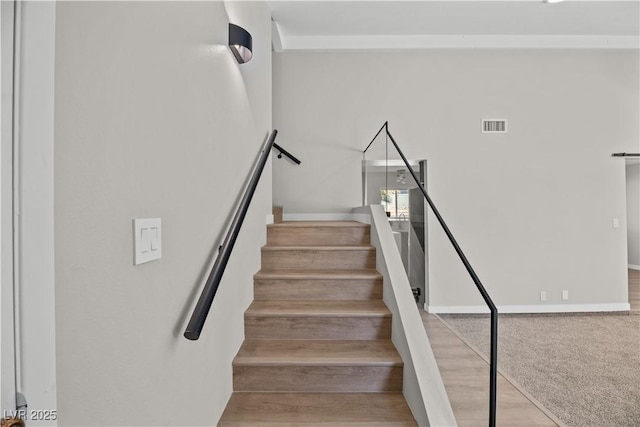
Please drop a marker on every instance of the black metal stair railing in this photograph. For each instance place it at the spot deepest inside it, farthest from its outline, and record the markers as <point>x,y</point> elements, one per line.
<point>493,361</point>
<point>201,310</point>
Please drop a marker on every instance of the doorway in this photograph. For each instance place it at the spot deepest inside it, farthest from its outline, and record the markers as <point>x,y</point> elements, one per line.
<point>390,183</point>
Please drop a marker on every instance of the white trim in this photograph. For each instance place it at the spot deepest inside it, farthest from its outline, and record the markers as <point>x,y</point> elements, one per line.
<point>634,267</point>
<point>456,309</point>
<point>362,214</point>
<point>17,194</point>
<point>7,336</point>
<point>360,42</point>
<point>276,39</point>
<point>269,219</point>
<point>550,308</point>
<point>35,223</point>
<point>364,218</point>
<point>321,217</point>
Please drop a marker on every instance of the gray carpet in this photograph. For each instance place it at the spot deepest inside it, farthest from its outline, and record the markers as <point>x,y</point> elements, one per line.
<point>585,369</point>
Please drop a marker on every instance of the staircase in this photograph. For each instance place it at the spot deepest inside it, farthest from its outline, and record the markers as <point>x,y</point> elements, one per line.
<point>317,347</point>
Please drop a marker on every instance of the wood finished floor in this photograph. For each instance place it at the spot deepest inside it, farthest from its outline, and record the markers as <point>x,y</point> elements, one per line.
<point>466,379</point>
<point>634,290</point>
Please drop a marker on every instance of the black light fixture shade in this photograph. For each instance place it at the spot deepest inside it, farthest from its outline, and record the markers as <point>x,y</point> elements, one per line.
<point>241,43</point>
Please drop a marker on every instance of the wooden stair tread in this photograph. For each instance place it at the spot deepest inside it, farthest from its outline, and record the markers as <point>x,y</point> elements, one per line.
<point>326,409</point>
<point>366,247</point>
<point>321,224</point>
<point>318,352</point>
<point>317,348</point>
<point>318,308</point>
<point>317,274</point>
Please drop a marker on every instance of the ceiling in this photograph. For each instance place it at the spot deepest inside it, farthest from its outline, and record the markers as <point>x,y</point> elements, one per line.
<point>335,24</point>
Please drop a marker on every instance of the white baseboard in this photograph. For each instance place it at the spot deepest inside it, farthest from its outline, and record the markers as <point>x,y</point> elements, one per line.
<point>550,308</point>
<point>364,218</point>
<point>323,217</point>
<point>457,309</point>
<point>634,267</point>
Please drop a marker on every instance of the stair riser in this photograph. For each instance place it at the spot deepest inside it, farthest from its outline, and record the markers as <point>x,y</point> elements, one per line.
<point>309,328</point>
<point>317,378</point>
<point>317,236</point>
<point>277,214</point>
<point>314,289</point>
<point>322,259</point>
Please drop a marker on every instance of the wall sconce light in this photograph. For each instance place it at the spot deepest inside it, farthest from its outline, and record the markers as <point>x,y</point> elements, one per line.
<point>241,43</point>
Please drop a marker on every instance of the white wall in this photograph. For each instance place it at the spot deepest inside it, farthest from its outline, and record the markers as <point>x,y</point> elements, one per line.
<point>154,118</point>
<point>532,209</point>
<point>633,214</point>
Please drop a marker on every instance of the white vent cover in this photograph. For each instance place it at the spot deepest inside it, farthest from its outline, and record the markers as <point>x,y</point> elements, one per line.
<point>494,126</point>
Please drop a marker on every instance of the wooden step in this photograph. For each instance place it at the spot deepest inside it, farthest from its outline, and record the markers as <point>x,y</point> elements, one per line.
<point>277,214</point>
<point>333,320</point>
<point>317,366</point>
<point>317,409</point>
<point>317,349</point>
<point>318,233</point>
<point>317,285</point>
<point>318,257</point>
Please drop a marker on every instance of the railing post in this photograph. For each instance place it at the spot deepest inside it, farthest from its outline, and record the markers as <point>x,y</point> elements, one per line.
<point>493,369</point>
<point>364,179</point>
<point>493,361</point>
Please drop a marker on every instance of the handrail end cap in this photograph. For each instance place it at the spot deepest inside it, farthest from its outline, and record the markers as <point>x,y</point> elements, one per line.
<point>192,335</point>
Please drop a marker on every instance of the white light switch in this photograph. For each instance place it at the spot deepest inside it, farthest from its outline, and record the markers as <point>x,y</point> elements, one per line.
<point>154,243</point>
<point>147,240</point>
<point>144,240</point>
<point>616,223</point>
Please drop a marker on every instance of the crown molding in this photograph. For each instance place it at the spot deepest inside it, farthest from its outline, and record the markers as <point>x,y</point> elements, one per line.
<point>458,42</point>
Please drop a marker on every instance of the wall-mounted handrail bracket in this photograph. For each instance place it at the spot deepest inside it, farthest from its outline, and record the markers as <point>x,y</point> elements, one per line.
<point>285,153</point>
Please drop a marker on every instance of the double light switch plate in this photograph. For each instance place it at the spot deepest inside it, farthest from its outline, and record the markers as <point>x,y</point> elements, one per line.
<point>147,234</point>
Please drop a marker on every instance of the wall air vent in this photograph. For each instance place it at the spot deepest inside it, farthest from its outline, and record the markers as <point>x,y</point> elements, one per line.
<point>494,126</point>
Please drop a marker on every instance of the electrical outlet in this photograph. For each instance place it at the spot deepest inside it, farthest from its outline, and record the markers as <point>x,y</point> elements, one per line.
<point>565,295</point>
<point>543,295</point>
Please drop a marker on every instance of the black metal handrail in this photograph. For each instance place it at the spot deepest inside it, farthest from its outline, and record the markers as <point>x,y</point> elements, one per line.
<point>201,310</point>
<point>493,361</point>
